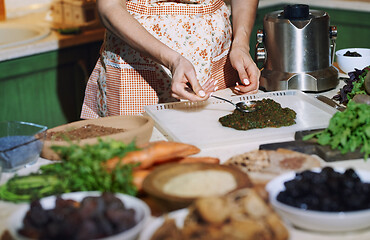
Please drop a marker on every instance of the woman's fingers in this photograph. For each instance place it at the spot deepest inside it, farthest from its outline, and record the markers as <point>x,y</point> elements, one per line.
<point>183,91</point>
<point>210,86</point>
<point>241,89</point>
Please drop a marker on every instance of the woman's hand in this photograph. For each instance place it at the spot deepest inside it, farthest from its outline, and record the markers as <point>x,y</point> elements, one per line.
<point>248,71</point>
<point>185,84</point>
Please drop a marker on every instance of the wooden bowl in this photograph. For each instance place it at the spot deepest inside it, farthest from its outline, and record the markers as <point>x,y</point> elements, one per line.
<point>154,183</point>
<point>137,128</point>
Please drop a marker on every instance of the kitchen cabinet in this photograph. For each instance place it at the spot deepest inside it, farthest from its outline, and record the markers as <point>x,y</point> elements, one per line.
<point>353,26</point>
<point>47,88</point>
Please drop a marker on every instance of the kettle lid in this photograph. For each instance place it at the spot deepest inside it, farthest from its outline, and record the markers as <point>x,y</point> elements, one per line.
<point>296,12</point>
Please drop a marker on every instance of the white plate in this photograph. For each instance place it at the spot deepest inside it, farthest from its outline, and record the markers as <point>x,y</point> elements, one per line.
<point>142,212</point>
<point>197,123</point>
<point>317,220</point>
<point>178,215</point>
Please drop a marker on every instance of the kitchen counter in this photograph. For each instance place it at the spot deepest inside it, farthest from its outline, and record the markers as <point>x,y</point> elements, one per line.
<point>224,153</point>
<point>52,42</point>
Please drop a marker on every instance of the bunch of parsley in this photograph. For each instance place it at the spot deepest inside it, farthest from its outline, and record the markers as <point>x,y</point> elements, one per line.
<point>348,130</point>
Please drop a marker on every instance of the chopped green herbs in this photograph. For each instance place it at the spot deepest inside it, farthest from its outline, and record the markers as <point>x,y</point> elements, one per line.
<point>268,113</point>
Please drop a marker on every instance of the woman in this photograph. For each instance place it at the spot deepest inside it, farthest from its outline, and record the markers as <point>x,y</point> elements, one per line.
<point>162,51</point>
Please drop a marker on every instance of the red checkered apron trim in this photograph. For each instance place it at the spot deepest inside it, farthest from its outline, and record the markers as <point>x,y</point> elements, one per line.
<point>161,8</point>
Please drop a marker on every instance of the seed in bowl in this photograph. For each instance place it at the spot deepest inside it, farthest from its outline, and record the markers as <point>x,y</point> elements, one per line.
<point>327,190</point>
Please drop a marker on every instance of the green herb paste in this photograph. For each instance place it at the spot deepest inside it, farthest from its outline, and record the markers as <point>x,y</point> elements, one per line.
<point>268,113</point>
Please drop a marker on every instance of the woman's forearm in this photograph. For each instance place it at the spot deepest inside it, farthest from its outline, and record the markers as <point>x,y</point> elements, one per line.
<point>243,17</point>
<point>115,17</point>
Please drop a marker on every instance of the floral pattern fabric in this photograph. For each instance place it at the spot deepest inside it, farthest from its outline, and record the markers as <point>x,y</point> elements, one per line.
<point>124,81</point>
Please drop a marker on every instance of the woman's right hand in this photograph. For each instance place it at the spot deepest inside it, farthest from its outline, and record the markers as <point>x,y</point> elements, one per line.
<point>185,84</point>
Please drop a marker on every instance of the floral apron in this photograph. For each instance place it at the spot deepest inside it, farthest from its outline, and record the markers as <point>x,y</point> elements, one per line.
<point>123,81</point>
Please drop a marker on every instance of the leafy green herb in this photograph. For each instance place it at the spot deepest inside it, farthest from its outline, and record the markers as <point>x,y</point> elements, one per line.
<point>358,86</point>
<point>354,85</point>
<point>347,130</point>
<point>80,170</point>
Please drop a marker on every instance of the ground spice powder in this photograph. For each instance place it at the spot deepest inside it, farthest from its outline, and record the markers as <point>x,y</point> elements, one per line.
<point>84,132</point>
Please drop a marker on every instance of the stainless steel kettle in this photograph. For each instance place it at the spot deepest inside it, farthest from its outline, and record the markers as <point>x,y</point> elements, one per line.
<point>297,48</point>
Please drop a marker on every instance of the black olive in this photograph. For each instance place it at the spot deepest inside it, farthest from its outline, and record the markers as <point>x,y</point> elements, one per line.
<point>352,54</point>
<point>326,190</point>
<point>352,174</point>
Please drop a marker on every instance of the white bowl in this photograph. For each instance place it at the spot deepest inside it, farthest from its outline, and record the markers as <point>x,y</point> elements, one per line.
<point>142,214</point>
<point>317,220</point>
<point>348,64</point>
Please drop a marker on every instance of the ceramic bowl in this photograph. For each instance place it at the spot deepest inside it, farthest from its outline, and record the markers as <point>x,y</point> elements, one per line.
<point>142,214</point>
<point>20,144</point>
<point>318,220</point>
<point>136,128</point>
<point>155,183</point>
<point>348,64</point>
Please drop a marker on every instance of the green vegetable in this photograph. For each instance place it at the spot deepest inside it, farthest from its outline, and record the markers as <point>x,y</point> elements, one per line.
<point>358,86</point>
<point>18,188</point>
<point>348,130</point>
<point>80,170</point>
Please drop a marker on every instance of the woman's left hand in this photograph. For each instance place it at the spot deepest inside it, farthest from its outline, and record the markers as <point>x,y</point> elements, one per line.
<point>248,71</point>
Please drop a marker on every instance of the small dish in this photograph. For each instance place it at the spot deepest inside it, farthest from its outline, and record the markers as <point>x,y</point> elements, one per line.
<point>142,214</point>
<point>20,144</point>
<point>349,63</point>
<point>156,183</point>
<point>136,128</point>
<point>317,220</point>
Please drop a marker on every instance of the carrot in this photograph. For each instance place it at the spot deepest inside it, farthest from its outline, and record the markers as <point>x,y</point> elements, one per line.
<point>155,153</point>
<point>139,176</point>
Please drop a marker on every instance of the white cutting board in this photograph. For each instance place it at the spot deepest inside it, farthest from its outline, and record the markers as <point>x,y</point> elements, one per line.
<point>197,122</point>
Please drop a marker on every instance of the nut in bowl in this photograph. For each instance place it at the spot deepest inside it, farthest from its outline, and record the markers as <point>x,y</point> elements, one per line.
<point>329,203</point>
<point>20,144</point>
<point>350,58</point>
<point>81,215</point>
<point>123,128</point>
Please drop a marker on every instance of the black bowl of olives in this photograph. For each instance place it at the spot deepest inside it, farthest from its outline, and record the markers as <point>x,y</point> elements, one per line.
<point>325,199</point>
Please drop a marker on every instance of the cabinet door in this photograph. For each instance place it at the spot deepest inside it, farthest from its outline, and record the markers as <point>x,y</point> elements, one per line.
<point>353,28</point>
<point>46,88</point>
